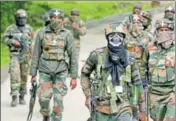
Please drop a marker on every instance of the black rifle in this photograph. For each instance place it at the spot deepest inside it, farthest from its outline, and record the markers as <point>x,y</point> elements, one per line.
<point>93,101</point>
<point>32,100</point>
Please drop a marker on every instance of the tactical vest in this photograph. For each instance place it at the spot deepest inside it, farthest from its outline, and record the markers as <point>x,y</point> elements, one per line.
<point>137,48</point>
<point>16,34</point>
<point>105,90</point>
<point>161,68</point>
<point>54,46</point>
<point>68,26</point>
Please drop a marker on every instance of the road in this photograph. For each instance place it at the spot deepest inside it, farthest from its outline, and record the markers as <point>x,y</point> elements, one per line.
<point>74,109</point>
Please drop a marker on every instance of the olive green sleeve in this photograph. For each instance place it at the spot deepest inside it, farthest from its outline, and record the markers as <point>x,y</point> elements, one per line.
<point>86,71</point>
<point>37,51</point>
<point>72,54</point>
<point>82,30</point>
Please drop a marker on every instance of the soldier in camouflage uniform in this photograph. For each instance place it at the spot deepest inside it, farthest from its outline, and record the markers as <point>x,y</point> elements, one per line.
<point>76,26</point>
<point>136,10</point>
<point>147,21</point>
<point>51,44</point>
<point>115,70</point>
<point>136,43</point>
<point>14,36</point>
<point>162,73</point>
<point>170,13</point>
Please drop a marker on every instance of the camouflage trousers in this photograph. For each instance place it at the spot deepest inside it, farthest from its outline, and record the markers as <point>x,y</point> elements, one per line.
<point>161,109</point>
<point>52,86</point>
<point>123,116</point>
<point>18,75</point>
<point>77,42</point>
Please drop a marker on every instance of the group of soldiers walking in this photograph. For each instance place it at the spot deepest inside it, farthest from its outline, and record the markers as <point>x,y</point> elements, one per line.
<point>133,76</point>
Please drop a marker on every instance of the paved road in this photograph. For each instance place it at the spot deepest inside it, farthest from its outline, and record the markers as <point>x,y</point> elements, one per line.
<point>73,101</point>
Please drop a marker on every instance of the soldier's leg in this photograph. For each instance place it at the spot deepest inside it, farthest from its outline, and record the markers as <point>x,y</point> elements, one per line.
<point>14,70</point>
<point>78,48</point>
<point>157,112</point>
<point>45,92</point>
<point>59,91</point>
<point>170,112</point>
<point>24,67</point>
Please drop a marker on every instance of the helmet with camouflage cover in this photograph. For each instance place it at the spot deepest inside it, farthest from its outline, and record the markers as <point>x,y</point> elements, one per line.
<point>169,13</point>
<point>138,6</point>
<point>21,17</point>
<point>116,28</point>
<point>57,12</point>
<point>75,12</point>
<point>146,18</point>
<point>164,23</point>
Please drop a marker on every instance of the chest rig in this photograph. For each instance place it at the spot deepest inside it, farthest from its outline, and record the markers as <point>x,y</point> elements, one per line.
<point>108,93</point>
<point>54,45</point>
<point>161,65</point>
<point>137,47</point>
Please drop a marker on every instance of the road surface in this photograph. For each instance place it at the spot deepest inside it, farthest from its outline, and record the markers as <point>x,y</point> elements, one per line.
<point>74,109</point>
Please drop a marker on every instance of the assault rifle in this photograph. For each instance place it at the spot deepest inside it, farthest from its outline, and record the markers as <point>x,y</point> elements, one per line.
<point>32,100</point>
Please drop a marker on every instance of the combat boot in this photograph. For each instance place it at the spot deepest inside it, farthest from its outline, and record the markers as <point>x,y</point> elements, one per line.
<point>21,100</point>
<point>14,101</point>
<point>46,118</point>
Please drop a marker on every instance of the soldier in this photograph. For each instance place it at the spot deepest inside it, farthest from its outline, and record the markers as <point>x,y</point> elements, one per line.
<point>115,70</point>
<point>76,25</point>
<point>147,21</point>
<point>48,58</point>
<point>18,37</point>
<point>162,73</point>
<point>169,13</point>
<point>136,10</point>
<point>136,43</point>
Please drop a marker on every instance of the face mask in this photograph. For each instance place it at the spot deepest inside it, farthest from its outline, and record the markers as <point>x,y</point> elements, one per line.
<point>115,40</point>
<point>56,24</point>
<point>165,38</point>
<point>21,21</point>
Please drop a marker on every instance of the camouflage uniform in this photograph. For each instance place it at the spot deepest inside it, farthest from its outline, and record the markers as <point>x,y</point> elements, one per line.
<point>76,33</point>
<point>112,101</point>
<point>19,64</point>
<point>49,59</point>
<point>162,74</point>
<point>169,13</point>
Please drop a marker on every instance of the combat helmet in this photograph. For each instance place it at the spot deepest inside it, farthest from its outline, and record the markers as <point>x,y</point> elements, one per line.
<point>21,13</point>
<point>115,28</point>
<point>75,12</point>
<point>164,23</point>
<point>57,12</point>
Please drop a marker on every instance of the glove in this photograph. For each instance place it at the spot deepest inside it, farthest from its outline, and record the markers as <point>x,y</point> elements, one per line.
<point>73,83</point>
<point>16,43</point>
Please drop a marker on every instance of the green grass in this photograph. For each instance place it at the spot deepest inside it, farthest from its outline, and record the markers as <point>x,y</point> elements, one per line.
<point>88,11</point>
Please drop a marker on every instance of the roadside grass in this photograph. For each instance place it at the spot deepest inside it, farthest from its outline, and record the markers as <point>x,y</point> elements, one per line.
<point>88,11</point>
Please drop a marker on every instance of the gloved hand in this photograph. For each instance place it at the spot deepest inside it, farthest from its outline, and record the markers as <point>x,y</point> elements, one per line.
<point>73,83</point>
<point>16,43</point>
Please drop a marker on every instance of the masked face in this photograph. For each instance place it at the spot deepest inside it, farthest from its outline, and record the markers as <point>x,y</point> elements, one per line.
<point>21,20</point>
<point>169,15</point>
<point>115,39</point>
<point>136,28</point>
<point>165,37</point>
<point>56,23</point>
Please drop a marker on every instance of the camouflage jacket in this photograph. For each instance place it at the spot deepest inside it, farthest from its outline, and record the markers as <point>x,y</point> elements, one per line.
<point>161,71</point>
<point>137,46</point>
<point>130,77</point>
<point>76,34</point>
<point>49,52</point>
<point>14,33</point>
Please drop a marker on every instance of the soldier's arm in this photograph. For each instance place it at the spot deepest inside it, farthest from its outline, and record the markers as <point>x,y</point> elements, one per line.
<point>7,38</point>
<point>37,51</point>
<point>72,53</point>
<point>82,30</point>
<point>137,89</point>
<point>86,71</point>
